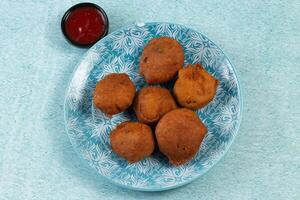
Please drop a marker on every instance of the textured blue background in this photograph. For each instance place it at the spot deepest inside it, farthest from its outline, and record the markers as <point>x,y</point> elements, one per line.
<point>262,40</point>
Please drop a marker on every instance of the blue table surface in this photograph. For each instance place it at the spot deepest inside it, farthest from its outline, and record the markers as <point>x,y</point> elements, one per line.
<point>262,39</point>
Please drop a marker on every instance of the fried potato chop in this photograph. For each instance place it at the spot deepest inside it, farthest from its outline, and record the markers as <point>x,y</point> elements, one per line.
<point>132,140</point>
<point>114,93</point>
<point>195,87</point>
<point>151,103</point>
<point>179,134</point>
<point>161,59</point>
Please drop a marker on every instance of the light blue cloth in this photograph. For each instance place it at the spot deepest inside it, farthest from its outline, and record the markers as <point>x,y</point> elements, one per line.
<point>262,40</point>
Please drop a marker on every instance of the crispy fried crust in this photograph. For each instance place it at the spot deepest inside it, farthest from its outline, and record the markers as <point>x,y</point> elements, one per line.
<point>194,87</point>
<point>132,140</point>
<point>161,59</point>
<point>114,93</point>
<point>151,103</point>
<point>179,134</point>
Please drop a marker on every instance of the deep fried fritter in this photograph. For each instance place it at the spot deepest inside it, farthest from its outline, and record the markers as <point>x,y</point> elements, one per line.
<point>151,103</point>
<point>132,140</point>
<point>179,134</point>
<point>114,93</point>
<point>194,87</point>
<point>161,59</point>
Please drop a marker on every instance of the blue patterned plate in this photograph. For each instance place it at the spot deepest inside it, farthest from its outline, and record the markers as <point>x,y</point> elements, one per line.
<point>120,51</point>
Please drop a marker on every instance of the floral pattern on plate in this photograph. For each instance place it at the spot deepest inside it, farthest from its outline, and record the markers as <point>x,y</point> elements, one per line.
<point>89,129</point>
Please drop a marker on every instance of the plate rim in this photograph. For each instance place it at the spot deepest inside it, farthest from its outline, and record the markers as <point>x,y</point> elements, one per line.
<point>156,188</point>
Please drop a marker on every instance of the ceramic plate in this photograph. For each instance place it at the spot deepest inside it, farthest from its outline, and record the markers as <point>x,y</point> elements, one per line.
<point>120,51</point>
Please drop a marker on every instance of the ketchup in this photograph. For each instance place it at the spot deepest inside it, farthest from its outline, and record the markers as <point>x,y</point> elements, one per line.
<point>84,24</point>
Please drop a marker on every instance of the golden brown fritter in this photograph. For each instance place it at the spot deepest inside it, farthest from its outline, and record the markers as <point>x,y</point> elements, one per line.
<point>132,140</point>
<point>151,103</point>
<point>194,87</point>
<point>161,59</point>
<point>179,134</point>
<point>114,93</point>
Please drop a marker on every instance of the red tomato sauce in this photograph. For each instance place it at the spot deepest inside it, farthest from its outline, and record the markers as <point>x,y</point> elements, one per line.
<point>85,25</point>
